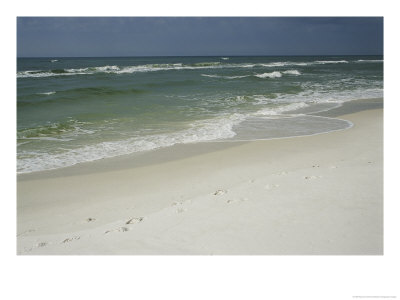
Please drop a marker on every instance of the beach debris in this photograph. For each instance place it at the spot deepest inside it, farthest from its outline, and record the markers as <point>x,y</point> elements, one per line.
<point>220,192</point>
<point>134,220</point>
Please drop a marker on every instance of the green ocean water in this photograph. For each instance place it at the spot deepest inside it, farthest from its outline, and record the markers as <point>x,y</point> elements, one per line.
<point>73,110</point>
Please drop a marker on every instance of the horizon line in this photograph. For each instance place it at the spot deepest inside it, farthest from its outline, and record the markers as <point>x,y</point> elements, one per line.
<point>241,55</point>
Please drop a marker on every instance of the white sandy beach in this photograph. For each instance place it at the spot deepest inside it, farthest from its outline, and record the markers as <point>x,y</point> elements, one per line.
<point>310,195</point>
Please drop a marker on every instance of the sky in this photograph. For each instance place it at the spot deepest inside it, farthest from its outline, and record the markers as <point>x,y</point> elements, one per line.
<point>194,36</point>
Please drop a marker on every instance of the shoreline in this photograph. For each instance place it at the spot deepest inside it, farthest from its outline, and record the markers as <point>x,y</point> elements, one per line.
<point>309,195</point>
<point>179,151</point>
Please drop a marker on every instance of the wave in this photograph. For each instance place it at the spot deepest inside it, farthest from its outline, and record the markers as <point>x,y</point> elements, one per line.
<point>370,60</point>
<point>225,77</point>
<point>285,64</point>
<point>322,62</point>
<point>162,67</point>
<point>292,72</point>
<point>274,74</point>
<point>205,130</point>
<point>221,127</point>
<point>142,68</point>
<point>302,64</point>
<point>47,93</point>
<point>115,69</point>
<point>30,74</point>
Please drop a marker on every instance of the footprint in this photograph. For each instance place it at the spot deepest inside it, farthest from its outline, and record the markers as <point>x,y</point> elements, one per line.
<point>71,239</point>
<point>121,229</point>
<point>333,167</point>
<point>90,220</point>
<point>41,244</point>
<point>311,177</point>
<point>134,220</point>
<point>180,210</point>
<point>252,180</point>
<point>236,200</point>
<point>129,222</point>
<point>38,245</point>
<point>220,192</point>
<point>315,166</point>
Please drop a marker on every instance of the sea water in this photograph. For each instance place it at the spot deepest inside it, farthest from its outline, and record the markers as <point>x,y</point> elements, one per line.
<point>73,110</point>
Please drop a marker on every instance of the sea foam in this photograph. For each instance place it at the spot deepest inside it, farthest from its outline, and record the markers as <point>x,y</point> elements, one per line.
<point>47,93</point>
<point>168,67</point>
<point>274,74</point>
<point>322,62</point>
<point>224,77</point>
<point>199,131</point>
<point>292,72</point>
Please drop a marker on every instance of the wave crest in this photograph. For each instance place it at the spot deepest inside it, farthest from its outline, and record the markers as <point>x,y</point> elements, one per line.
<point>274,74</point>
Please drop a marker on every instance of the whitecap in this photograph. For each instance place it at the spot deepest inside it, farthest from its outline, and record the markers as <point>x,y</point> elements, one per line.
<point>274,74</point>
<point>47,93</point>
<point>322,62</point>
<point>370,60</point>
<point>224,77</point>
<point>292,72</point>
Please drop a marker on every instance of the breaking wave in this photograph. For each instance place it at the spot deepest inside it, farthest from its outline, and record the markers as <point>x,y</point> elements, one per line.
<point>164,67</point>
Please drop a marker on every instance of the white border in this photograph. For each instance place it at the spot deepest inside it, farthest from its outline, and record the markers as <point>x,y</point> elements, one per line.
<point>227,277</point>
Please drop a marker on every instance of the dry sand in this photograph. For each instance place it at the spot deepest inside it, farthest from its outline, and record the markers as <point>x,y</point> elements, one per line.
<point>310,195</point>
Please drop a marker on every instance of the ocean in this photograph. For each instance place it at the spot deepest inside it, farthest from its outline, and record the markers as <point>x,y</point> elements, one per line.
<point>74,110</point>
